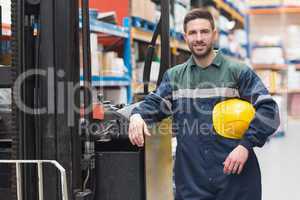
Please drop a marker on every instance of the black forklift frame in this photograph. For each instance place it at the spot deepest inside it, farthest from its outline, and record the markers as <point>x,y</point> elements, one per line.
<point>45,36</point>
<point>52,48</point>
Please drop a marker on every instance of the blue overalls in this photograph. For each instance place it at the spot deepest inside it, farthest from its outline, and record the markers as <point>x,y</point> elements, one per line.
<point>189,92</point>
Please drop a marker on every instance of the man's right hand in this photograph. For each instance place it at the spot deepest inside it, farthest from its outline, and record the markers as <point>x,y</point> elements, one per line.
<point>137,128</point>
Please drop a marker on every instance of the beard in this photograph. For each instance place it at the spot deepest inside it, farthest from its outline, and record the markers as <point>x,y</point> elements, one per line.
<point>203,53</point>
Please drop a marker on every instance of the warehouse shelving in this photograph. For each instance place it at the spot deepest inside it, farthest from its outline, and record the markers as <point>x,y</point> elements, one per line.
<point>141,34</point>
<point>109,81</point>
<point>275,67</point>
<point>100,27</point>
<point>284,91</point>
<point>113,81</point>
<point>110,29</point>
<point>134,29</point>
<point>230,9</point>
<point>294,91</point>
<point>142,30</point>
<point>296,63</point>
<point>237,15</point>
<point>145,36</point>
<point>273,21</point>
<point>129,33</point>
<point>222,32</point>
<point>279,91</point>
<point>266,45</point>
<point>273,10</point>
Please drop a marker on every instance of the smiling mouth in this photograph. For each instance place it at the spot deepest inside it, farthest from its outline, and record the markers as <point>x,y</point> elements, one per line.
<point>199,46</point>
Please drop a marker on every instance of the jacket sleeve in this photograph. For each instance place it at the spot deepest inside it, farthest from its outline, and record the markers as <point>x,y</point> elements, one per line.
<point>158,104</point>
<point>266,120</point>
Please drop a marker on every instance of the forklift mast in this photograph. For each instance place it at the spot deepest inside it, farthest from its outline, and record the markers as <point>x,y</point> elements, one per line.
<point>45,51</point>
<point>43,122</point>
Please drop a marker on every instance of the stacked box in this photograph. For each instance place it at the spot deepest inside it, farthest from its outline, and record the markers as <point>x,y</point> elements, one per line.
<point>96,55</point>
<point>139,70</point>
<point>95,63</point>
<point>291,2</point>
<point>292,41</point>
<point>261,3</point>
<point>294,104</point>
<point>282,106</point>
<point>107,62</point>
<point>275,55</point>
<point>178,18</point>
<point>293,77</point>
<point>112,65</point>
<point>144,9</point>
<point>273,80</point>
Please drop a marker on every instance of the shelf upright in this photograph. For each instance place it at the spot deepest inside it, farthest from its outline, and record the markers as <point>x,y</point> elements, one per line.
<point>118,81</point>
<point>128,58</point>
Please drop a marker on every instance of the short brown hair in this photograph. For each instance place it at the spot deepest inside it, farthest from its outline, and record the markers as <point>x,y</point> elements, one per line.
<point>198,13</point>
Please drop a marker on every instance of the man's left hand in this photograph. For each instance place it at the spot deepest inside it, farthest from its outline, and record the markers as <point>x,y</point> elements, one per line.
<point>236,160</point>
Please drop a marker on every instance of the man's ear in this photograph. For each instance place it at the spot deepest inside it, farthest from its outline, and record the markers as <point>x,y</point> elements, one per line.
<point>215,35</point>
<point>185,36</point>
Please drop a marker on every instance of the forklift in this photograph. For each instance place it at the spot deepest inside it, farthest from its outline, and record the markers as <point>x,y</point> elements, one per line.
<point>42,124</point>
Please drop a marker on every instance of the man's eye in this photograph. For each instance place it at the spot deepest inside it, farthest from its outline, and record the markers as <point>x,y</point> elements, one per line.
<point>192,33</point>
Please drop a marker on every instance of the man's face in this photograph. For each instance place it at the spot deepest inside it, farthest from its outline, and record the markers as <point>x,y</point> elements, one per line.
<point>200,37</point>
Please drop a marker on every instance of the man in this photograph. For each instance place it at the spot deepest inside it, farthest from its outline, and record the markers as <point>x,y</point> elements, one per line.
<point>207,165</point>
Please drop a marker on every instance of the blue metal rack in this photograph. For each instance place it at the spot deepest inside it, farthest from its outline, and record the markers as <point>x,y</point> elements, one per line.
<point>265,7</point>
<point>266,46</point>
<point>293,62</point>
<point>124,32</point>
<point>148,26</point>
<point>118,31</point>
<point>234,7</point>
<point>111,29</point>
<point>231,9</point>
<point>108,81</point>
<point>222,32</point>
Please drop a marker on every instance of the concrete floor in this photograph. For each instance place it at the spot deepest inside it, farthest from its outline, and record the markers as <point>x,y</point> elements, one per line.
<point>280,165</point>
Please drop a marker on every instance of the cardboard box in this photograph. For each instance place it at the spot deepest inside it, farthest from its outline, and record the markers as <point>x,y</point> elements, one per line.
<point>294,104</point>
<point>293,77</point>
<point>149,11</point>
<point>137,8</point>
<point>292,42</point>
<point>95,63</point>
<point>144,9</point>
<point>291,2</point>
<point>274,54</point>
<point>94,42</point>
<point>282,106</point>
<point>272,80</point>
<point>108,59</point>
<point>256,3</point>
<point>112,65</point>
<point>179,18</point>
<point>139,70</point>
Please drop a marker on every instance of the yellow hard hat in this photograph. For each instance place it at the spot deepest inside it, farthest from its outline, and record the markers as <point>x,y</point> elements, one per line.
<point>231,118</point>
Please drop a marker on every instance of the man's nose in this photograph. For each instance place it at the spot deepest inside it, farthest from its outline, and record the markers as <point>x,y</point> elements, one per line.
<point>199,36</point>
